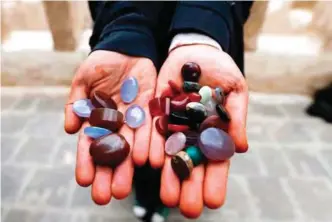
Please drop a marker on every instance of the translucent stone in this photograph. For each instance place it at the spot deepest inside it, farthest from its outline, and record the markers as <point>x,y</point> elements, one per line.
<point>96,132</point>
<point>179,102</point>
<point>206,94</point>
<point>102,100</point>
<point>159,106</point>
<point>191,86</point>
<point>135,116</point>
<point>191,72</point>
<point>106,118</point>
<point>109,150</point>
<point>223,114</point>
<point>216,144</point>
<point>129,90</point>
<point>175,143</point>
<point>220,97</point>
<point>196,112</point>
<point>210,107</point>
<point>83,108</point>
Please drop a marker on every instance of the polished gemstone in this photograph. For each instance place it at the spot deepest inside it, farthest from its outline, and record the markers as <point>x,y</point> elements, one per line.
<point>219,93</point>
<point>159,106</point>
<point>179,118</point>
<point>176,89</point>
<point>83,108</point>
<point>191,86</point>
<point>106,118</point>
<point>194,97</point>
<point>168,92</point>
<point>96,132</point>
<point>177,128</point>
<point>216,144</point>
<point>129,90</point>
<point>206,94</point>
<point>109,150</point>
<point>210,107</point>
<point>191,72</point>
<point>196,112</point>
<point>223,114</point>
<point>195,154</point>
<point>175,143</point>
<point>182,165</point>
<point>213,121</point>
<point>191,137</point>
<point>162,125</point>
<point>135,116</point>
<point>102,100</point>
<point>179,102</point>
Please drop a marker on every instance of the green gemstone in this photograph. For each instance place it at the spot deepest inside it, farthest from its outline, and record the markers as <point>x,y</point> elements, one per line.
<point>191,86</point>
<point>195,154</point>
<point>206,94</point>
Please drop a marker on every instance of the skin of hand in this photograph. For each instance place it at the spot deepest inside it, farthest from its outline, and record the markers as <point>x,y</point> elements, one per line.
<point>207,184</point>
<point>105,71</point>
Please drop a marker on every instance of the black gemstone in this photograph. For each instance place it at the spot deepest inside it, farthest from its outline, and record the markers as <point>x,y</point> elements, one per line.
<point>191,72</point>
<point>191,86</point>
<point>196,112</point>
<point>179,118</point>
<point>223,114</point>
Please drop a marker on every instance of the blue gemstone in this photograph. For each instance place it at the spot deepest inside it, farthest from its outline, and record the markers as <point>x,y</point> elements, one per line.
<point>135,116</point>
<point>83,107</point>
<point>96,132</point>
<point>129,90</point>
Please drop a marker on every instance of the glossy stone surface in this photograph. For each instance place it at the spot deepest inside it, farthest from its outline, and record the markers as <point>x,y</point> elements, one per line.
<point>191,72</point>
<point>219,93</point>
<point>194,97</point>
<point>195,154</point>
<point>179,102</point>
<point>83,108</point>
<point>182,165</point>
<point>215,144</point>
<point>96,132</point>
<point>134,116</point>
<point>168,92</point>
<point>191,137</point>
<point>196,112</point>
<point>159,106</point>
<point>162,125</point>
<point>175,143</point>
<point>177,128</point>
<point>109,150</point>
<point>213,121</point>
<point>191,86</point>
<point>175,88</point>
<point>102,100</point>
<point>179,118</point>
<point>206,94</point>
<point>210,107</point>
<point>223,114</point>
<point>106,118</point>
<point>129,90</point>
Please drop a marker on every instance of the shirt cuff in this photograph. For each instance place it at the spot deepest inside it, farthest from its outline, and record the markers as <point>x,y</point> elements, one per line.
<point>183,39</point>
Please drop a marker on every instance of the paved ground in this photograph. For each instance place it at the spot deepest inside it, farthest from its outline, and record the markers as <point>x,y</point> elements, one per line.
<point>285,177</point>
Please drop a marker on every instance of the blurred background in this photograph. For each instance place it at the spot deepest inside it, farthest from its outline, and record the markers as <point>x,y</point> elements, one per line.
<point>285,176</point>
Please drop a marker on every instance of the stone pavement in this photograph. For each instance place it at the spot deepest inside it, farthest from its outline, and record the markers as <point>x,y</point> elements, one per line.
<point>285,177</point>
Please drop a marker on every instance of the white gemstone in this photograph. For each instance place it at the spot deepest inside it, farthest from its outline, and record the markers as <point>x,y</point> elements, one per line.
<point>206,94</point>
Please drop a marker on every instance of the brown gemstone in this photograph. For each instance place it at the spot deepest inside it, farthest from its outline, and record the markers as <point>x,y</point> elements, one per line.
<point>161,125</point>
<point>106,118</point>
<point>167,93</point>
<point>179,102</point>
<point>110,150</point>
<point>191,72</point>
<point>223,114</point>
<point>176,89</point>
<point>182,165</point>
<point>159,106</point>
<point>177,128</point>
<point>213,121</point>
<point>102,100</point>
<point>194,97</point>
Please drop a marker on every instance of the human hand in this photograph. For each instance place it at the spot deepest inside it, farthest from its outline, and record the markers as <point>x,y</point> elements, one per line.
<point>207,184</point>
<point>105,71</point>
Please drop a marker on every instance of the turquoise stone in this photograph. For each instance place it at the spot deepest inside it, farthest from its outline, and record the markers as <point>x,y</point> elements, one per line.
<point>195,154</point>
<point>83,108</point>
<point>129,90</point>
<point>135,116</point>
<point>96,132</point>
<point>206,94</point>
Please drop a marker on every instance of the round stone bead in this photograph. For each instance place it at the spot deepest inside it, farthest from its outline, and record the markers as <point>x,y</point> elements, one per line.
<point>215,144</point>
<point>194,97</point>
<point>175,143</point>
<point>182,165</point>
<point>109,150</point>
<point>162,125</point>
<point>191,72</point>
<point>96,132</point>
<point>179,102</point>
<point>210,107</point>
<point>106,118</point>
<point>206,94</point>
<point>135,116</point>
<point>102,100</point>
<point>129,90</point>
<point>159,106</point>
<point>83,108</point>
<point>175,88</point>
<point>219,93</point>
<point>223,114</point>
<point>177,128</point>
<point>196,112</point>
<point>191,86</point>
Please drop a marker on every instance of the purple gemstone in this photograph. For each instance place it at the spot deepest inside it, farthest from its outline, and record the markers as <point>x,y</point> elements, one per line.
<point>175,143</point>
<point>216,144</point>
<point>83,107</point>
<point>135,116</point>
<point>191,138</point>
<point>129,90</point>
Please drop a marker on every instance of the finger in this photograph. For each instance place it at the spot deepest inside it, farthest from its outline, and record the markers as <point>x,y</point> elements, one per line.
<point>101,188</point>
<point>170,185</point>
<point>157,144</point>
<point>191,199</point>
<point>72,121</point>
<point>215,184</point>
<point>85,170</point>
<point>237,105</point>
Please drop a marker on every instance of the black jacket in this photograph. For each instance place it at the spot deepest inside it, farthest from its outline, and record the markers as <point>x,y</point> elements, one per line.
<point>146,28</point>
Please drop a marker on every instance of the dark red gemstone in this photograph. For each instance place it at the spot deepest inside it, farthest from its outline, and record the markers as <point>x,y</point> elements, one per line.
<point>102,100</point>
<point>106,118</point>
<point>213,121</point>
<point>179,102</point>
<point>191,72</point>
<point>159,106</point>
<point>110,150</point>
<point>167,93</point>
<point>191,137</point>
<point>176,89</point>
<point>194,97</point>
<point>161,125</point>
<point>177,128</point>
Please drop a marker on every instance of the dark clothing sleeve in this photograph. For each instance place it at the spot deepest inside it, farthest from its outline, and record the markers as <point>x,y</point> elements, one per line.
<point>220,20</point>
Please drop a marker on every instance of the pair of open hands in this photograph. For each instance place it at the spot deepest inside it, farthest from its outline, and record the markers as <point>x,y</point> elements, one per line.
<point>105,71</point>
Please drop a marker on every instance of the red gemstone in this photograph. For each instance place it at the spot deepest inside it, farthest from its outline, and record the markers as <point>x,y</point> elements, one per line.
<point>177,128</point>
<point>167,93</point>
<point>176,89</point>
<point>106,118</point>
<point>191,72</point>
<point>102,100</point>
<point>161,125</point>
<point>179,102</point>
<point>194,97</point>
<point>159,106</point>
<point>213,121</point>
